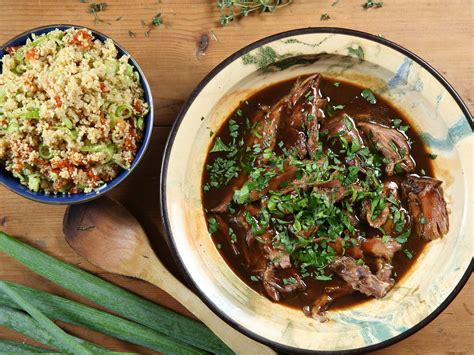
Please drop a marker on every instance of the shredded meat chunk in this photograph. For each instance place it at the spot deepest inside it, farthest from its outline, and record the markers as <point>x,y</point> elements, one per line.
<point>377,247</point>
<point>341,126</point>
<point>322,303</point>
<point>427,206</point>
<point>360,277</point>
<point>392,144</point>
<point>273,286</point>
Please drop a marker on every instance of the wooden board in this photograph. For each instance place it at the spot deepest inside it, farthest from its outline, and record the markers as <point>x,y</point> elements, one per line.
<point>439,32</point>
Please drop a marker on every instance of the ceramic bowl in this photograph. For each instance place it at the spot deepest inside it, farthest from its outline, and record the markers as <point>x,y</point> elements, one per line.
<point>66,199</point>
<point>398,75</point>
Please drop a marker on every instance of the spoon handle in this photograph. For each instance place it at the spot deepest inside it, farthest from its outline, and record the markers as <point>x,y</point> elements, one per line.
<point>159,276</point>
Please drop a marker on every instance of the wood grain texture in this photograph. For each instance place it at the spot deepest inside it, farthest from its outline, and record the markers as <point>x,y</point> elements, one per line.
<point>438,31</point>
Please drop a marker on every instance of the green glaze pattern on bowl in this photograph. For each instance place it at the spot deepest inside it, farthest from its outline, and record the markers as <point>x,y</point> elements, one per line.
<point>397,75</point>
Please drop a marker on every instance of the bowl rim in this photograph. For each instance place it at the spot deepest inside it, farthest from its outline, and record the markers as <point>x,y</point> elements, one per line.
<point>79,198</point>
<point>164,170</point>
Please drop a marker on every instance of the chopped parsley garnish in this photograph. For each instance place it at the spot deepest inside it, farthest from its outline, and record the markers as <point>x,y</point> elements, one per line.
<point>219,146</point>
<point>369,96</point>
<point>408,253</point>
<point>337,84</point>
<point>212,225</point>
<point>403,238</point>
<point>232,235</point>
<point>254,278</point>
<point>432,156</point>
<point>289,281</point>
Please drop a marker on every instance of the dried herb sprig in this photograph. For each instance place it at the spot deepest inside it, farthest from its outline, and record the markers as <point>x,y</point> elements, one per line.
<point>234,9</point>
<point>156,21</point>
<point>372,4</point>
<point>94,8</point>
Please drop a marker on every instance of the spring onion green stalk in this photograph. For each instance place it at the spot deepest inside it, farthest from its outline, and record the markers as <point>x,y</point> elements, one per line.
<point>13,126</point>
<point>45,152</point>
<point>38,41</point>
<point>65,310</point>
<point>64,340</point>
<point>34,182</point>
<point>122,164</point>
<point>124,111</point>
<point>32,114</point>
<point>111,66</point>
<point>140,123</point>
<point>7,346</point>
<point>67,123</point>
<point>113,297</point>
<point>94,148</point>
<point>26,325</point>
<point>20,54</point>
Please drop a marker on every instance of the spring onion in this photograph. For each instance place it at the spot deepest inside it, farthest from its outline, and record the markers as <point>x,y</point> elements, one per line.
<point>64,340</point>
<point>68,311</point>
<point>13,126</point>
<point>45,152</point>
<point>38,41</point>
<point>110,151</point>
<point>122,164</point>
<point>20,69</point>
<point>34,181</point>
<point>94,148</point>
<point>124,111</point>
<point>67,123</point>
<point>20,54</point>
<point>116,139</point>
<point>24,324</point>
<point>31,114</point>
<point>2,95</point>
<point>128,69</point>
<point>113,297</point>
<point>140,123</point>
<point>111,66</point>
<point>7,346</point>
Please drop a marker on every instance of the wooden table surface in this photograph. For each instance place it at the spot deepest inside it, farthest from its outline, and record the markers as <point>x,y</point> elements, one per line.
<point>437,30</point>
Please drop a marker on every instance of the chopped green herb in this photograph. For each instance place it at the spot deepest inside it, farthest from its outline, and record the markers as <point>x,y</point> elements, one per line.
<point>212,225</point>
<point>219,146</point>
<point>408,253</point>
<point>324,17</point>
<point>360,262</point>
<point>232,235</point>
<point>337,84</point>
<point>402,238</point>
<point>432,156</point>
<point>422,220</point>
<point>372,4</point>
<point>338,107</point>
<point>253,278</point>
<point>369,96</point>
<point>289,281</point>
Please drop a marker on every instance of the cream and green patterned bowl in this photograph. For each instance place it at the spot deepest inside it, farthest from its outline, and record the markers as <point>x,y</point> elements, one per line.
<point>411,85</point>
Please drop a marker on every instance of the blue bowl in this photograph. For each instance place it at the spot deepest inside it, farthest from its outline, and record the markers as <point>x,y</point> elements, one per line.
<point>7,180</point>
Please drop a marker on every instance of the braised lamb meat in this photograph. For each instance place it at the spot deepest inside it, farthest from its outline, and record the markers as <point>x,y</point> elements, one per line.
<point>319,198</point>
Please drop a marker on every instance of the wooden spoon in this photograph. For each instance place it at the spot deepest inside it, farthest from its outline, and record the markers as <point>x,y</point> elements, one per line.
<point>106,234</point>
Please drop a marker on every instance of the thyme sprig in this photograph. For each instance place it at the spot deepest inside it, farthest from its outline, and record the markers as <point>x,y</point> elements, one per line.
<point>235,9</point>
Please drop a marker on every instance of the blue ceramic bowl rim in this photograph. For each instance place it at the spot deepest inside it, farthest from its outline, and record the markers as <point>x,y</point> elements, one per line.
<point>63,199</point>
<point>164,168</point>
